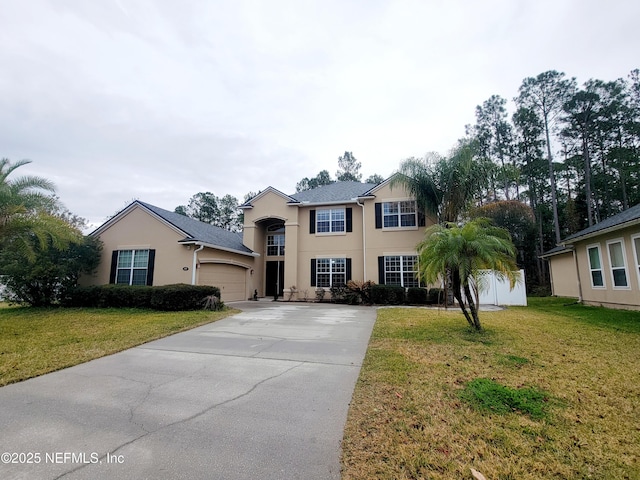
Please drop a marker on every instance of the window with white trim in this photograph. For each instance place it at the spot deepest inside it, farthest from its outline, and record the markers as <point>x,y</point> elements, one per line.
<point>275,244</point>
<point>399,214</point>
<point>595,266</point>
<point>330,220</point>
<point>331,272</point>
<point>618,264</point>
<point>401,270</point>
<point>636,251</point>
<point>132,267</point>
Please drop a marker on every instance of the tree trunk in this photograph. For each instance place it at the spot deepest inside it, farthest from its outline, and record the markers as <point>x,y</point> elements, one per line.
<point>552,180</point>
<point>457,293</point>
<point>472,306</point>
<point>587,177</point>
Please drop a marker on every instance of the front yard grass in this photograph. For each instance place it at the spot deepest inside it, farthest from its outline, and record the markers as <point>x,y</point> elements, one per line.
<point>35,341</point>
<point>422,407</point>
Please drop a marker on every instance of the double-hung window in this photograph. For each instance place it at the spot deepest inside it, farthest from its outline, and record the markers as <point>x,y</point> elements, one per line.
<point>401,270</point>
<point>132,267</point>
<point>618,264</point>
<point>275,244</point>
<point>330,220</point>
<point>595,266</point>
<point>399,214</point>
<point>331,272</point>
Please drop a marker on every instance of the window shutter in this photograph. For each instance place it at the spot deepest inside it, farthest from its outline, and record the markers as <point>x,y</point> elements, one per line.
<point>150,266</point>
<point>349,218</point>
<point>114,264</point>
<point>313,272</point>
<point>348,267</point>
<point>381,270</point>
<point>422,220</point>
<point>378,207</point>
<point>312,221</point>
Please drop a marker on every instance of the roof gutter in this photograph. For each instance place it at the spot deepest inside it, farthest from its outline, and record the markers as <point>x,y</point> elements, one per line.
<point>335,202</point>
<point>217,247</point>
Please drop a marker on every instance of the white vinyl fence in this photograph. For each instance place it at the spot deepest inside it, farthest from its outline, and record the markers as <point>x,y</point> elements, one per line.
<point>494,291</point>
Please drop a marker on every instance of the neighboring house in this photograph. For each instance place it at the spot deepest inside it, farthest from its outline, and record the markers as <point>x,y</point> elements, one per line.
<point>308,240</point>
<point>146,245</point>
<point>329,235</point>
<point>600,265</point>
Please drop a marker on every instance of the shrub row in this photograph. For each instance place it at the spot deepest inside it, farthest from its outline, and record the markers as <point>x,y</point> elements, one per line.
<point>165,297</point>
<point>368,293</point>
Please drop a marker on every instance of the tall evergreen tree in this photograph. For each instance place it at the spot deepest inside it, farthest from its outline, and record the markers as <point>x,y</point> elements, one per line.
<point>546,95</point>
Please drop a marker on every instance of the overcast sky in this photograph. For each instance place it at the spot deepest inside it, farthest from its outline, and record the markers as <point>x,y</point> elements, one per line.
<point>157,100</point>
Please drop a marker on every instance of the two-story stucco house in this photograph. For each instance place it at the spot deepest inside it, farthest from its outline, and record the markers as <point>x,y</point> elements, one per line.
<point>307,240</point>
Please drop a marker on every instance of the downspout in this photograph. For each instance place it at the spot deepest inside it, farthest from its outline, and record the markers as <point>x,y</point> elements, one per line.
<point>364,244</point>
<point>195,261</point>
<point>575,261</point>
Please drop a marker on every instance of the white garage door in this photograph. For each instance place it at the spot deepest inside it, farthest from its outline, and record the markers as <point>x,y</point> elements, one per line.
<point>230,279</point>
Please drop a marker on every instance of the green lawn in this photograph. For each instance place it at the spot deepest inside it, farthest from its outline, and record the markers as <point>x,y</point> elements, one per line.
<point>546,391</point>
<point>35,341</point>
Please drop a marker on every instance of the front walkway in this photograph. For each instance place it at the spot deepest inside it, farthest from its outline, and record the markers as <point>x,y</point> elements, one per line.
<point>260,395</point>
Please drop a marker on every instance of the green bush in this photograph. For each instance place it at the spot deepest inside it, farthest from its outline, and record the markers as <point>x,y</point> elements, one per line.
<point>86,297</point>
<point>124,296</point>
<point>435,296</point>
<point>416,296</point>
<point>165,297</point>
<point>387,295</point>
<point>181,296</point>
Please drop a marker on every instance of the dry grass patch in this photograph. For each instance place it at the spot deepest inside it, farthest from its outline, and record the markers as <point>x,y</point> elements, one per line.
<point>36,341</point>
<point>409,418</point>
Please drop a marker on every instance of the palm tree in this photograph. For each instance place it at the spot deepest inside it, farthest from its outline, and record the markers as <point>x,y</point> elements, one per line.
<point>462,252</point>
<point>446,187</point>
<point>443,186</point>
<point>26,204</point>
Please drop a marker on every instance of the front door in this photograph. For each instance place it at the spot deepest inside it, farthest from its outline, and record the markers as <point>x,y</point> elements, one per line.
<point>274,279</point>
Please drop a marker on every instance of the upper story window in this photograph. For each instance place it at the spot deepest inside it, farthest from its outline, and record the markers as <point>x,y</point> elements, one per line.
<point>618,264</point>
<point>397,214</point>
<point>275,240</point>
<point>132,267</point>
<point>595,266</point>
<point>275,244</point>
<point>330,220</point>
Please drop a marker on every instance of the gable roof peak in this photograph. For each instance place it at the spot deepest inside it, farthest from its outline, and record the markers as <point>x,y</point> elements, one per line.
<point>192,229</point>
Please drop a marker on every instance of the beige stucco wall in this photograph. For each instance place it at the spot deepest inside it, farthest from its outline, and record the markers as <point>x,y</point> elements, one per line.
<point>609,295</point>
<point>564,280</point>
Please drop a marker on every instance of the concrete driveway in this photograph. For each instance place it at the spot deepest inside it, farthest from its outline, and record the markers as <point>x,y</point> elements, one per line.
<point>260,395</point>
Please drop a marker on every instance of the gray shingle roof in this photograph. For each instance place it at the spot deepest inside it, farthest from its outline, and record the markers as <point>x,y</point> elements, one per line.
<point>619,220</point>
<point>196,230</point>
<point>334,192</point>
<point>555,251</point>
